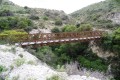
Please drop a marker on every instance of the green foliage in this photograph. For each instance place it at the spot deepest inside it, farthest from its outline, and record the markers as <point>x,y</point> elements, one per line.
<point>55,30</point>
<point>69,52</point>
<point>13,36</point>
<point>60,68</point>
<point>72,28</point>
<point>69,28</point>
<point>31,78</point>
<point>84,27</point>
<point>111,42</point>
<point>45,18</point>
<point>58,22</point>
<point>46,55</point>
<point>57,56</point>
<point>6,13</point>
<point>107,42</point>
<point>31,62</point>
<point>98,13</point>
<point>54,77</point>
<point>26,7</point>
<point>19,62</point>
<point>0,2</point>
<point>14,23</point>
<point>2,69</point>
<point>118,1</point>
<point>15,77</point>
<point>96,64</point>
<point>33,17</point>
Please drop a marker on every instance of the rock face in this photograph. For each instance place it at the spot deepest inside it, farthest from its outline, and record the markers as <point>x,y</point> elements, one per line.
<point>115,17</point>
<point>21,65</point>
<point>103,54</point>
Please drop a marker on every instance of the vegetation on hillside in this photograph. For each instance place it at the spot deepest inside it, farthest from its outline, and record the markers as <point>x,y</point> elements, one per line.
<point>7,23</point>
<point>12,36</point>
<point>98,14</point>
<point>66,53</point>
<point>15,20</point>
<point>111,42</point>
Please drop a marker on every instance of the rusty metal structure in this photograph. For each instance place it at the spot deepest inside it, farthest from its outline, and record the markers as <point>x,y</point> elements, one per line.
<point>42,39</point>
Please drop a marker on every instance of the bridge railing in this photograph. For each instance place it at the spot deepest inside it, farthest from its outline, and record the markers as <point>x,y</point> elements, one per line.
<point>65,35</point>
<point>50,36</point>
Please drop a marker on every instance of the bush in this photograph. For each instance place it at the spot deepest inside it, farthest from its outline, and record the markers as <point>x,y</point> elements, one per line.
<point>33,17</point>
<point>12,36</point>
<point>25,7</point>
<point>6,13</point>
<point>84,27</point>
<point>14,23</point>
<point>45,18</point>
<point>69,28</point>
<point>97,64</point>
<point>58,22</point>
<point>19,62</point>
<point>2,69</point>
<point>54,77</point>
<point>55,30</point>
<point>31,62</point>
<point>111,42</point>
<point>46,55</point>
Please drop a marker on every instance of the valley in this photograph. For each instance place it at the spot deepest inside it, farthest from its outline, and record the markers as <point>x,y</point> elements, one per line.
<point>84,45</point>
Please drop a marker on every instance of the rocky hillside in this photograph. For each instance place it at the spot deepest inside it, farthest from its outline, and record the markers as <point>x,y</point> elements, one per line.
<point>105,14</point>
<point>17,64</point>
<point>42,18</point>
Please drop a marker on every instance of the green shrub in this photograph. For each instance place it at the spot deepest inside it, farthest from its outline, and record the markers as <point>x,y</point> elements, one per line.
<point>21,55</point>
<point>8,23</point>
<point>31,62</point>
<point>31,78</point>
<point>45,18</point>
<point>55,30</point>
<point>58,22</point>
<point>12,36</point>
<point>2,69</point>
<point>54,77</point>
<point>19,62</point>
<point>69,28</point>
<point>84,27</point>
<point>6,13</point>
<point>97,64</point>
<point>46,55</point>
<point>16,77</point>
<point>61,68</point>
<point>26,7</point>
<point>33,17</point>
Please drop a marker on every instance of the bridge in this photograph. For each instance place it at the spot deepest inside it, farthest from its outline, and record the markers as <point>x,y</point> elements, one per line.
<point>59,38</point>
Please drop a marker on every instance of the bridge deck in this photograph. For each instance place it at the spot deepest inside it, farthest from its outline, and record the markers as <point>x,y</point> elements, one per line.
<point>62,40</point>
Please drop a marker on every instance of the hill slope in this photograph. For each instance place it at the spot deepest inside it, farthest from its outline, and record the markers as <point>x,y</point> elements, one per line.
<point>105,14</point>
<point>42,18</point>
